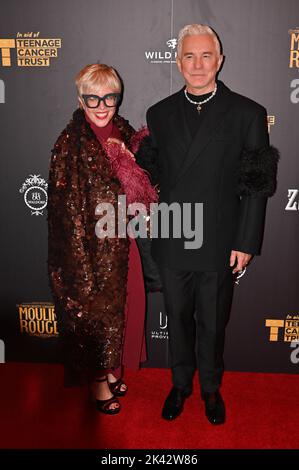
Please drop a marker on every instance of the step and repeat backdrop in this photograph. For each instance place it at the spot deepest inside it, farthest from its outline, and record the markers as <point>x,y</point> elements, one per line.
<point>43,44</point>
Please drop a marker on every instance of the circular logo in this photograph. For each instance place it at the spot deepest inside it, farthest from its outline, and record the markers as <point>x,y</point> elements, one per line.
<point>36,198</point>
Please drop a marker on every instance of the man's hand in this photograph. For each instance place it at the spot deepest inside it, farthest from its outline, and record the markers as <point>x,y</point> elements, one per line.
<point>241,258</point>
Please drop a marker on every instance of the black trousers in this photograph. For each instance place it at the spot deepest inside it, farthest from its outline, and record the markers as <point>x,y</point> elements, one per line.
<point>198,306</point>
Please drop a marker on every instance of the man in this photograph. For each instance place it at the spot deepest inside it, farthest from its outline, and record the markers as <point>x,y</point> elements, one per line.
<point>211,146</point>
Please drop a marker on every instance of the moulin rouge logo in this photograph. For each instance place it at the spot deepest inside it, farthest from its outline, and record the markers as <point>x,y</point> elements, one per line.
<point>294,63</point>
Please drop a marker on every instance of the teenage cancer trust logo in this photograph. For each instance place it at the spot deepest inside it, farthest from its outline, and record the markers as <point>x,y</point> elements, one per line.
<point>28,50</point>
<point>286,330</point>
<point>34,189</point>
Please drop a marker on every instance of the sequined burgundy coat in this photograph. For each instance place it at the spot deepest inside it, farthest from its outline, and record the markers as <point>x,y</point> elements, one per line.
<point>87,275</point>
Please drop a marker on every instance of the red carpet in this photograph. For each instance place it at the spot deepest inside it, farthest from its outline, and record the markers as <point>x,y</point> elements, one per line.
<point>37,412</point>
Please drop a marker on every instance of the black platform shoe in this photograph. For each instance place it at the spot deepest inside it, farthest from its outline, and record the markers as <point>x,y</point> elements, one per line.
<point>105,405</point>
<point>115,388</point>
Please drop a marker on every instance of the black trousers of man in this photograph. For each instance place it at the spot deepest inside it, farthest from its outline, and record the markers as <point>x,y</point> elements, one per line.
<point>197,339</point>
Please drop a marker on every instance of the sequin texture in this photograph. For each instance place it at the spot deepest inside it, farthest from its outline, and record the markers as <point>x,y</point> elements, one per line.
<point>88,275</point>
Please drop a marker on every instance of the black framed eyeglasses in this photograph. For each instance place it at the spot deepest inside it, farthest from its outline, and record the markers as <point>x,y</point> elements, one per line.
<point>93,101</point>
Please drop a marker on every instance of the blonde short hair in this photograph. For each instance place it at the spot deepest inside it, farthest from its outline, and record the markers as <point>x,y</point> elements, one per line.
<point>197,29</point>
<point>97,75</point>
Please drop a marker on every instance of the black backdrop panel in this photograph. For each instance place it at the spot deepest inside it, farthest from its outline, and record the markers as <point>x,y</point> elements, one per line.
<point>138,37</point>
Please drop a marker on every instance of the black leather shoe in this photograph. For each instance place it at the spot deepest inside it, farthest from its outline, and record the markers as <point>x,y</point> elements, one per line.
<point>215,408</point>
<point>174,403</point>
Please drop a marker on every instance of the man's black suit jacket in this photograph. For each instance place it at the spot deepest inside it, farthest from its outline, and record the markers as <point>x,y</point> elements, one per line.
<point>206,169</point>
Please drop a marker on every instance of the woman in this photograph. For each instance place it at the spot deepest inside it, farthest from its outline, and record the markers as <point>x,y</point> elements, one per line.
<point>96,282</point>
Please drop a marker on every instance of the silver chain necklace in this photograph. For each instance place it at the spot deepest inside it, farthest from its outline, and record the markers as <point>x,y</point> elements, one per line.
<point>199,103</point>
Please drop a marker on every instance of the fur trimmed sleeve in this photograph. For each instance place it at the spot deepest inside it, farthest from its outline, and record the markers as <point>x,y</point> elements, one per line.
<point>257,172</point>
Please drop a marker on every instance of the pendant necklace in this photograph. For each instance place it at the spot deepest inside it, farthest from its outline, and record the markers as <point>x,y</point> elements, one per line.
<point>199,103</point>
